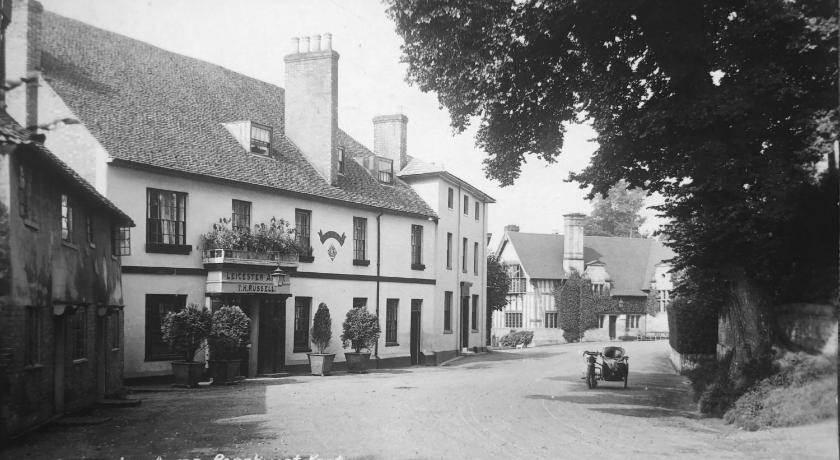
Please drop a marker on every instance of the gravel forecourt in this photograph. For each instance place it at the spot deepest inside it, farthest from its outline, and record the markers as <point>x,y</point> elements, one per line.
<point>529,403</point>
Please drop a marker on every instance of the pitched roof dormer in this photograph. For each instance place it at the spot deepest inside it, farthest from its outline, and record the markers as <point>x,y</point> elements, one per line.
<point>252,136</point>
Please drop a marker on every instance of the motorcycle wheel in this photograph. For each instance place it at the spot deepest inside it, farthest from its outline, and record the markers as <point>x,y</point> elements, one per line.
<point>626,374</point>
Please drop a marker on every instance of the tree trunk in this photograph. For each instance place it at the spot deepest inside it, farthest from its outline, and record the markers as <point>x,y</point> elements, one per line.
<point>749,322</point>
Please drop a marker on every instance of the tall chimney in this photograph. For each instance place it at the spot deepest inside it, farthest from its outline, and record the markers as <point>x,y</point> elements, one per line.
<point>389,138</point>
<point>511,228</point>
<point>32,82</point>
<point>22,55</point>
<point>573,242</point>
<point>311,105</point>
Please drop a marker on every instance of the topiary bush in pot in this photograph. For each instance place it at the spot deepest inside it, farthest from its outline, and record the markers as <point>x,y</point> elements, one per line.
<point>185,331</point>
<point>228,333</point>
<point>320,363</point>
<point>360,330</point>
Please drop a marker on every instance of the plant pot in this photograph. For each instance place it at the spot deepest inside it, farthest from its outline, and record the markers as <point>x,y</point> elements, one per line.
<point>224,371</point>
<point>357,362</point>
<point>187,374</point>
<point>321,363</point>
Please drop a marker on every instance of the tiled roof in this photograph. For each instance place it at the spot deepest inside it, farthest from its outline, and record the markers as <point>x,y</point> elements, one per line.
<point>152,107</point>
<point>12,133</point>
<point>419,168</point>
<point>630,262</point>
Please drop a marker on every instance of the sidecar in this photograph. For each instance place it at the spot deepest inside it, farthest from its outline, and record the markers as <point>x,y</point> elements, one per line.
<point>613,366</point>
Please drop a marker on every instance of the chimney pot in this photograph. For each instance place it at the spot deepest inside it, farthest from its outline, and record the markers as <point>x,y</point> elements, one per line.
<point>326,43</point>
<point>315,43</point>
<point>295,48</point>
<point>304,44</point>
<point>390,138</point>
<point>511,228</point>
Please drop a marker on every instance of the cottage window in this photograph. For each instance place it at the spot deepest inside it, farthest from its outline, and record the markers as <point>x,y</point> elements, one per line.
<point>517,279</point>
<point>598,288</point>
<point>476,210</point>
<point>449,251</point>
<point>385,166</point>
<point>633,321</point>
<point>474,313</point>
<point>114,322</point>
<point>513,319</point>
<point>664,298</point>
<point>551,319</point>
<point>466,205</point>
<point>157,306</point>
<point>303,221</point>
<point>25,192</point>
<point>240,217</point>
<point>392,308</point>
<point>166,217</point>
<point>359,302</point>
<point>359,238</point>
<point>302,308</point>
<point>260,139</point>
<point>79,334</point>
<point>416,246</point>
<point>120,241</point>
<point>66,218</point>
<point>89,229</point>
<point>341,165</point>
<point>464,249</point>
<point>32,350</point>
<point>475,258</point>
<point>450,199</point>
<point>447,311</point>
<point>601,321</point>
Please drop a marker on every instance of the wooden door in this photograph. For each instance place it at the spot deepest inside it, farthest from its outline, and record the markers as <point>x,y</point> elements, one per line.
<point>271,354</point>
<point>612,326</point>
<point>415,330</point>
<point>465,322</point>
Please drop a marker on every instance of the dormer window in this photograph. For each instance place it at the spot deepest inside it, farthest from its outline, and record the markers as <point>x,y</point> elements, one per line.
<point>260,139</point>
<point>341,160</point>
<point>385,166</point>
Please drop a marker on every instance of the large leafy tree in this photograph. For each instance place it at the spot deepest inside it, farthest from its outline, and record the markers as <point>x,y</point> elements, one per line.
<point>498,286</point>
<point>724,107</point>
<point>617,213</point>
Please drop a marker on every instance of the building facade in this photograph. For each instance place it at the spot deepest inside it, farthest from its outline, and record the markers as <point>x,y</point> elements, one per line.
<point>181,143</point>
<point>61,297</point>
<point>625,269</point>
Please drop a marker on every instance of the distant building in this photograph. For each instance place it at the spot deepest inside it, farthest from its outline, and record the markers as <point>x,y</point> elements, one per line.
<point>180,143</point>
<point>623,268</point>
<point>61,297</point>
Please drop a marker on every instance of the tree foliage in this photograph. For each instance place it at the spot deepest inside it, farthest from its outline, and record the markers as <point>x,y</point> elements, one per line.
<point>360,329</point>
<point>617,213</point>
<point>498,284</point>
<point>228,332</point>
<point>185,330</point>
<point>322,328</point>
<point>725,108</point>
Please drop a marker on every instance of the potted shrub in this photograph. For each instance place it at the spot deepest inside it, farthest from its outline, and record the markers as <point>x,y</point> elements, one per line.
<point>320,363</point>
<point>185,331</point>
<point>361,330</point>
<point>228,333</point>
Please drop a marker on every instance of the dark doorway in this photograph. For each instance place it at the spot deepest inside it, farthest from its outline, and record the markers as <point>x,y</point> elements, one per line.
<point>271,354</point>
<point>416,305</point>
<point>465,321</point>
<point>612,326</point>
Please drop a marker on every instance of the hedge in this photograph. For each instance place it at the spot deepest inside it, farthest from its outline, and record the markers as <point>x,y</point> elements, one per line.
<point>692,329</point>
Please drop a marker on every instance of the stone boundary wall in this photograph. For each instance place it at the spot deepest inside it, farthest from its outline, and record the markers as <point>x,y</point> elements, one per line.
<point>686,362</point>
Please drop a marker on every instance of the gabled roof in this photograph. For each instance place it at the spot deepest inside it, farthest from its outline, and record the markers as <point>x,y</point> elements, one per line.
<point>153,108</point>
<point>630,262</point>
<point>417,168</point>
<point>12,133</point>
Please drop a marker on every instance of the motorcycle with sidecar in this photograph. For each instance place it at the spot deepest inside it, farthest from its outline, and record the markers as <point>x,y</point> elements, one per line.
<point>610,365</point>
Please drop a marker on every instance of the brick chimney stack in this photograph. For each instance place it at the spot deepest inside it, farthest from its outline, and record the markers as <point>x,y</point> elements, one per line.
<point>311,102</point>
<point>573,242</point>
<point>389,138</point>
<point>23,60</point>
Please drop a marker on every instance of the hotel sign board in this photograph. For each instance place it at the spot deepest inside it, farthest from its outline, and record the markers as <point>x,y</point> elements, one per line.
<point>236,281</point>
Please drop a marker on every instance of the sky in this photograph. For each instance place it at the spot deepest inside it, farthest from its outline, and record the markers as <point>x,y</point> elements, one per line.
<point>252,37</point>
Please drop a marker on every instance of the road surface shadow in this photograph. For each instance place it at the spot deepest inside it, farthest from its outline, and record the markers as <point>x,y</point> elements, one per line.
<point>478,361</point>
<point>652,394</point>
